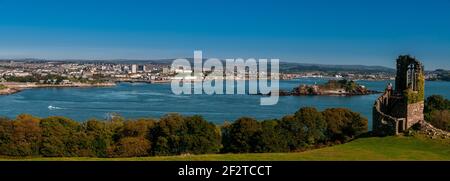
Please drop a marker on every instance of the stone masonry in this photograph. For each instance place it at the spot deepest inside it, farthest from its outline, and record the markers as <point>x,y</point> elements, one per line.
<point>398,109</point>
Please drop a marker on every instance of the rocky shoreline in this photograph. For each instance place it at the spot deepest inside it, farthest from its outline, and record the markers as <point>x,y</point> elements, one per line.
<point>331,88</point>
<point>337,93</point>
<point>15,87</point>
<point>8,91</point>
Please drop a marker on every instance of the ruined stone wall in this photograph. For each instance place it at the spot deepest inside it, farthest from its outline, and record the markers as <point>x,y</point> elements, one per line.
<point>396,111</point>
<point>414,113</point>
<point>397,108</point>
<point>383,124</point>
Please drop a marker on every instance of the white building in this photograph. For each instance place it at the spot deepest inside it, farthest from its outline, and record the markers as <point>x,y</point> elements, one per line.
<point>133,68</point>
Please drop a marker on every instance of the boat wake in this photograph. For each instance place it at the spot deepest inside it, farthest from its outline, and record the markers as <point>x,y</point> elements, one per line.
<point>53,107</point>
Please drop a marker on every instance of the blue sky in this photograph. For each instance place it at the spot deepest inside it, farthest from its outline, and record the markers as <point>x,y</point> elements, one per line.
<point>327,32</point>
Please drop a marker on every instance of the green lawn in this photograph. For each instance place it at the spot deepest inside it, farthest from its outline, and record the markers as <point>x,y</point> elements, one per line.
<point>387,148</point>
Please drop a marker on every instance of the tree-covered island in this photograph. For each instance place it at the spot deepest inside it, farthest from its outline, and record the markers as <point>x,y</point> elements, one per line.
<point>331,88</point>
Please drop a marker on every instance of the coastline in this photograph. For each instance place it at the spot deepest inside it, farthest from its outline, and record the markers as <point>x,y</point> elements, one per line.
<point>8,91</point>
<point>15,87</point>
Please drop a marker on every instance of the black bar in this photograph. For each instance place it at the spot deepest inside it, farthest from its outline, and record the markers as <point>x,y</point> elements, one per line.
<point>278,169</point>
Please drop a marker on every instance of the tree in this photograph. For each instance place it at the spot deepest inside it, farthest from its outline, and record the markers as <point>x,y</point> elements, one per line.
<point>170,127</point>
<point>62,137</point>
<point>292,131</point>
<point>26,135</point>
<point>436,111</point>
<point>239,136</point>
<point>100,136</point>
<point>130,147</point>
<point>270,138</point>
<point>201,136</point>
<point>137,128</point>
<point>314,124</point>
<point>6,131</point>
<point>20,137</point>
<point>306,127</point>
<point>175,134</point>
<point>161,146</point>
<point>343,124</point>
<point>436,102</point>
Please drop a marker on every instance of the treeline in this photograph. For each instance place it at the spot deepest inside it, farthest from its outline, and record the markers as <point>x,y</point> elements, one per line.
<point>55,79</point>
<point>437,112</point>
<point>34,78</point>
<point>174,134</point>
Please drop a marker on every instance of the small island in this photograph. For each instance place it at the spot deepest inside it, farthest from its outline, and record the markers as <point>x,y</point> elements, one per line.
<point>331,88</point>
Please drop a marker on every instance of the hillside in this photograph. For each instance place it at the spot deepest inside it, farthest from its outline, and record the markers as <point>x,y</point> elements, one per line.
<point>374,148</point>
<point>288,67</point>
<point>303,67</point>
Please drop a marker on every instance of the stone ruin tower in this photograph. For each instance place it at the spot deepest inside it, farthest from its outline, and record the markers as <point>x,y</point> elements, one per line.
<point>400,108</point>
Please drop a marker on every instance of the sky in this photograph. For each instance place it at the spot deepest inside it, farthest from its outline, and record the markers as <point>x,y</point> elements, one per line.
<point>320,31</point>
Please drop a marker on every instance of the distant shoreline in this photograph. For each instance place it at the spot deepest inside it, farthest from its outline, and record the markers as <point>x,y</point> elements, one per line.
<point>15,87</point>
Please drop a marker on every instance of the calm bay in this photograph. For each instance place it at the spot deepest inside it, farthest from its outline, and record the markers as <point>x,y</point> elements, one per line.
<point>135,100</point>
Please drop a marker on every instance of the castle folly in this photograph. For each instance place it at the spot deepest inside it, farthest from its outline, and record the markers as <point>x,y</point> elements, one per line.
<point>399,109</point>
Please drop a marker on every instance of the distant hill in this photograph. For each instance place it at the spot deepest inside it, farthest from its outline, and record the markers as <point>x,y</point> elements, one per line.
<point>302,67</point>
<point>441,74</point>
<point>289,67</point>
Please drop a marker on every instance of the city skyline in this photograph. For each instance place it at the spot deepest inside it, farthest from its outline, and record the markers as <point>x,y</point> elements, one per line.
<point>324,32</point>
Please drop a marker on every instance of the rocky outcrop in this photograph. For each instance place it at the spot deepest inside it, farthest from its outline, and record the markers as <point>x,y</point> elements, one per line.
<point>331,88</point>
<point>14,87</point>
<point>8,91</point>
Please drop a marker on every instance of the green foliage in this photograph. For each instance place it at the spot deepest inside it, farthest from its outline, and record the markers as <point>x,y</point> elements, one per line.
<point>348,85</point>
<point>21,79</point>
<point>99,135</point>
<point>312,123</point>
<point>343,124</point>
<point>137,128</point>
<point>130,147</point>
<point>437,112</point>
<point>20,137</point>
<point>416,96</point>
<point>2,86</point>
<point>436,102</point>
<point>307,127</point>
<point>174,134</point>
<point>270,138</point>
<point>239,136</point>
<point>63,137</point>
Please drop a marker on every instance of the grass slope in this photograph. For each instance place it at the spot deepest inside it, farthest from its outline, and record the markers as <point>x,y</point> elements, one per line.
<point>374,148</point>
